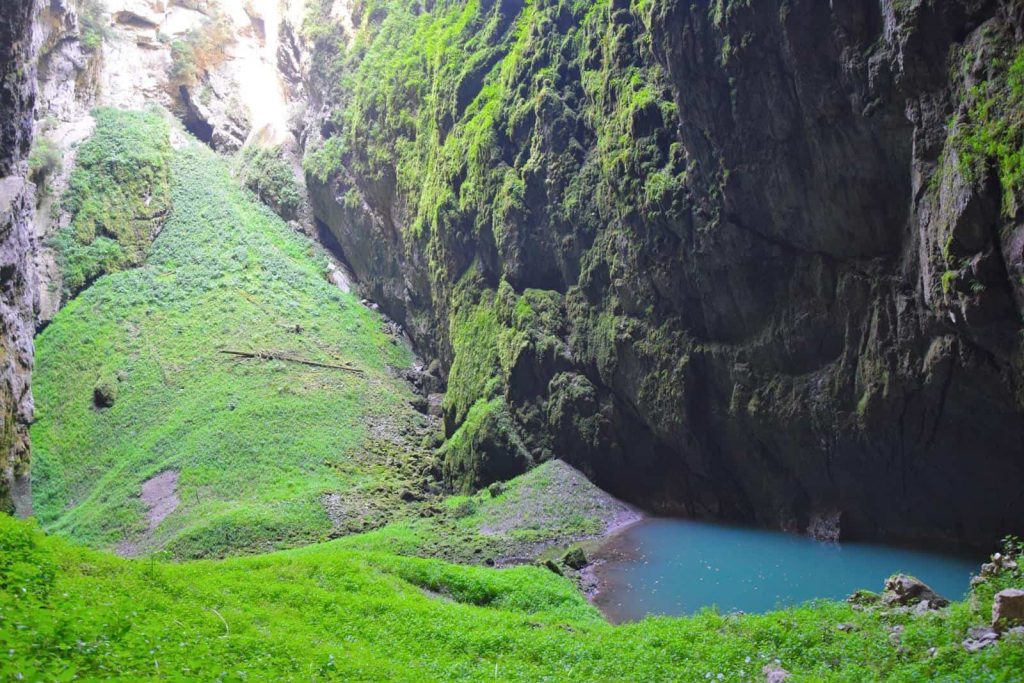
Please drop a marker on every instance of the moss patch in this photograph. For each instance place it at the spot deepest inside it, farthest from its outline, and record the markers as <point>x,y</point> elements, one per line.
<point>118,195</point>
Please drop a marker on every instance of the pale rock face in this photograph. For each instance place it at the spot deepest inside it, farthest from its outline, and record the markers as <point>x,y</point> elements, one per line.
<point>142,15</point>
<point>253,67</point>
<point>243,100</point>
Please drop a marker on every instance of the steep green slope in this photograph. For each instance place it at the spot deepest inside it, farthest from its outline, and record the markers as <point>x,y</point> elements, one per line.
<point>329,614</point>
<point>131,383</point>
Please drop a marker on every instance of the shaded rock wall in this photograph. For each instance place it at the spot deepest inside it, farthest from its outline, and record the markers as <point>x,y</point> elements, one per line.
<point>737,260</point>
<point>17,275</point>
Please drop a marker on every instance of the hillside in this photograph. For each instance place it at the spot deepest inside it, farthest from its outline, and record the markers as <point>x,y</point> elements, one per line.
<point>133,382</point>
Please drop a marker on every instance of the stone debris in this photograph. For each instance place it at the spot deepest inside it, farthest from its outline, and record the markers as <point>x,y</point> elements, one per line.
<point>979,637</point>
<point>904,590</point>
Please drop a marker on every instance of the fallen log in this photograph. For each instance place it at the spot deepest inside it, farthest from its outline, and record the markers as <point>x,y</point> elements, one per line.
<point>280,355</point>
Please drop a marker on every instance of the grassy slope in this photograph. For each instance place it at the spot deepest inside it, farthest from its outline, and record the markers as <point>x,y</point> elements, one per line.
<point>326,613</point>
<point>258,444</point>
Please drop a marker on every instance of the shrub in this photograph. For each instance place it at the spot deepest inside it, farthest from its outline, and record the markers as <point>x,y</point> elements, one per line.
<point>44,161</point>
<point>93,28</point>
<point>271,179</point>
<point>201,50</point>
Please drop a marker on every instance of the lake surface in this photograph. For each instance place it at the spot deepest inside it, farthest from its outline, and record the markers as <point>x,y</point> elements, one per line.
<point>675,567</point>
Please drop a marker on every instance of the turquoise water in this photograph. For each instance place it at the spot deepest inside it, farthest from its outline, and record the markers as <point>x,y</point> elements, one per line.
<point>675,567</point>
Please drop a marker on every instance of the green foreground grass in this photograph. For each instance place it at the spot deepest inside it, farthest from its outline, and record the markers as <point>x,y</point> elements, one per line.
<point>258,444</point>
<point>325,613</point>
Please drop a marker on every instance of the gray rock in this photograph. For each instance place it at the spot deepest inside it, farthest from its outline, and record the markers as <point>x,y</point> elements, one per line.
<point>575,558</point>
<point>18,294</point>
<point>824,526</point>
<point>1008,609</point>
<point>979,637</point>
<point>435,405</point>
<point>902,590</point>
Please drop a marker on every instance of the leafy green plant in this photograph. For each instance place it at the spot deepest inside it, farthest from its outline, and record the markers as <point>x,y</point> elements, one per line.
<point>270,177</point>
<point>94,28</point>
<point>992,132</point>
<point>44,161</point>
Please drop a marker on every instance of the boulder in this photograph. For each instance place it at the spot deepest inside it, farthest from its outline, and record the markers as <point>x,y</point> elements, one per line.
<point>575,558</point>
<point>997,564</point>
<point>863,597</point>
<point>1008,609</point>
<point>435,404</point>
<point>979,637</point>
<point>904,590</point>
<point>824,526</point>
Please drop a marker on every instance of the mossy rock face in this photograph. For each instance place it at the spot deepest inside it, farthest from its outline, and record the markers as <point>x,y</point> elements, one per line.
<point>485,449</point>
<point>119,195</point>
<point>587,220</point>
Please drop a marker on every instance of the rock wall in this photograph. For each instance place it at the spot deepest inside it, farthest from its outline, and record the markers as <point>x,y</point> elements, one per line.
<point>17,276</point>
<point>751,261</point>
<point>214,63</point>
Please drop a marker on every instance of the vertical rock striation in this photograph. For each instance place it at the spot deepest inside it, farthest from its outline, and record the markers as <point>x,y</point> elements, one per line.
<point>17,276</point>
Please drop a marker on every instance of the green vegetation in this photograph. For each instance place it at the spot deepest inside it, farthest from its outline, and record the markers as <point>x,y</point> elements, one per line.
<point>118,196</point>
<point>93,25</point>
<point>484,449</point>
<point>993,131</point>
<point>324,612</point>
<point>515,138</point>
<point>264,171</point>
<point>432,97</point>
<point>200,50</point>
<point>131,382</point>
<point>44,161</point>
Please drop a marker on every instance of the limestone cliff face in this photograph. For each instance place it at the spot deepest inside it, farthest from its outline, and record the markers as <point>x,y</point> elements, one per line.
<point>17,276</point>
<point>754,261</point>
<point>214,63</point>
